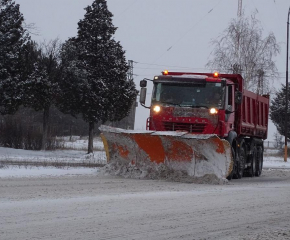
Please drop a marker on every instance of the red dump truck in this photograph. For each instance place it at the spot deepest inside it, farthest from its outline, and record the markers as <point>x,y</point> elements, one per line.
<point>201,123</point>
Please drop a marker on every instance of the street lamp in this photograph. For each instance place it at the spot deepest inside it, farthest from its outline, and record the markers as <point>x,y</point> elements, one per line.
<point>286,105</point>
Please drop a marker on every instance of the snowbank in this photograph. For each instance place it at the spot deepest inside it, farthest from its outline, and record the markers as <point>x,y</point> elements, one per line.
<point>18,172</point>
<point>10,154</point>
<point>157,172</point>
<point>273,160</point>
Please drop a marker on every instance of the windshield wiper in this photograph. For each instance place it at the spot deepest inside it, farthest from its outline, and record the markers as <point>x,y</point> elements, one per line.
<point>201,106</point>
<point>172,103</point>
<point>194,106</point>
<point>178,104</point>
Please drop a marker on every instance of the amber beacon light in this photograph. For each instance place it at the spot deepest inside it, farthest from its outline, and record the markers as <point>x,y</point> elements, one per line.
<point>216,74</point>
<point>165,72</point>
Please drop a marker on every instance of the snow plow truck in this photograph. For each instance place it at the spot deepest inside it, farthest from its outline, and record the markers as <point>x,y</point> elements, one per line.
<point>199,123</point>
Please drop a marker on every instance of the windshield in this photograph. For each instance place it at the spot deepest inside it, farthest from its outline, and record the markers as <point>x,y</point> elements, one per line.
<point>209,95</point>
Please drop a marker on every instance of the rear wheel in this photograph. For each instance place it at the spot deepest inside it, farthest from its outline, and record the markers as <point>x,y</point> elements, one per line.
<point>259,161</point>
<point>252,170</point>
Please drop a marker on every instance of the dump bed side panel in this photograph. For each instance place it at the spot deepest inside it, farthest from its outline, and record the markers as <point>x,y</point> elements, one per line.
<point>254,113</point>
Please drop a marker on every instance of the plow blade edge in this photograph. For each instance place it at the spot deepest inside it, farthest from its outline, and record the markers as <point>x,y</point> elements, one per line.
<point>197,155</point>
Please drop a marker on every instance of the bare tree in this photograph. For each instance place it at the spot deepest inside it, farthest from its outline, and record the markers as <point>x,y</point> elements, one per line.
<point>31,28</point>
<point>242,49</point>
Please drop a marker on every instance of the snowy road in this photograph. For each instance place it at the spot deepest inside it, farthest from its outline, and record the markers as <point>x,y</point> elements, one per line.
<point>98,207</point>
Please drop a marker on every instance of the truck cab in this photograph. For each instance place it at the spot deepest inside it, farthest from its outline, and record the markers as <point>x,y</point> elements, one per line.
<point>195,103</point>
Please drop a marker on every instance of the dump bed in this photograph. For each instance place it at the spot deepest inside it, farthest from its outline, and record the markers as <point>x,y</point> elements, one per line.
<point>253,115</point>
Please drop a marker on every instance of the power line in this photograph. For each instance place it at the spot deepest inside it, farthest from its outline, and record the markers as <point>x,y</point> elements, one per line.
<point>126,9</point>
<point>184,67</point>
<point>165,65</point>
<point>193,26</point>
<point>168,49</point>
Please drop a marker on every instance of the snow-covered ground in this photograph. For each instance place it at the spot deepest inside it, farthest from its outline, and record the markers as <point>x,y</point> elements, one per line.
<point>80,143</point>
<point>26,172</point>
<point>271,160</point>
<point>10,154</point>
<point>84,203</point>
<point>74,150</point>
<point>106,207</point>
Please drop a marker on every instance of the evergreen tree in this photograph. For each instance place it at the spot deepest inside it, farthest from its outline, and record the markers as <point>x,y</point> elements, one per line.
<point>277,113</point>
<point>41,87</point>
<point>98,72</point>
<point>13,39</point>
<point>72,79</point>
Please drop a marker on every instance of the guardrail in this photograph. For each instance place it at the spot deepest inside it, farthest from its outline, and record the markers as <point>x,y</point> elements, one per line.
<point>273,144</point>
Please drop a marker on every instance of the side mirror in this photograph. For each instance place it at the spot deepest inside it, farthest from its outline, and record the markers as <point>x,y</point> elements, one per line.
<point>229,110</point>
<point>238,97</point>
<point>143,83</point>
<point>224,83</point>
<point>143,95</point>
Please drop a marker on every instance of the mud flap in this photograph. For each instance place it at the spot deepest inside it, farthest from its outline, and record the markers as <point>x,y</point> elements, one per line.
<point>197,155</point>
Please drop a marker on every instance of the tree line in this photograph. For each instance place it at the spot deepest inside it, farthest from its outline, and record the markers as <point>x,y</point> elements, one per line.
<point>86,75</point>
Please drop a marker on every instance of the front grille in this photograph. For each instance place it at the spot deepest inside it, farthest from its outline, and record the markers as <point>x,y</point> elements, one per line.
<point>189,127</point>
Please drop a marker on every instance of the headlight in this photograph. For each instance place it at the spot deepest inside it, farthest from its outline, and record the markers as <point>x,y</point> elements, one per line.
<point>213,111</point>
<point>156,108</point>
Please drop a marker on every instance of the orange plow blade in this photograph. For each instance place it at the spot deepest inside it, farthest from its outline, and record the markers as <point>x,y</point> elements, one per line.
<point>197,155</point>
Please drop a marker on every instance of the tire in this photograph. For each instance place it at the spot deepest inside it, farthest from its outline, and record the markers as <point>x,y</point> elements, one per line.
<point>259,162</point>
<point>252,170</point>
<point>241,163</point>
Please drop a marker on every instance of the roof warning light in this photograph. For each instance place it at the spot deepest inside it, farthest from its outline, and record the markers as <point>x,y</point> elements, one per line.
<point>216,74</point>
<point>165,72</point>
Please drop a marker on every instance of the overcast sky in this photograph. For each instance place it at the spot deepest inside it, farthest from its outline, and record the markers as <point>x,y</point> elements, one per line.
<point>162,34</point>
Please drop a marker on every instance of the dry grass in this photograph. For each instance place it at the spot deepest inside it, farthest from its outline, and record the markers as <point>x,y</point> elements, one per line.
<point>78,143</point>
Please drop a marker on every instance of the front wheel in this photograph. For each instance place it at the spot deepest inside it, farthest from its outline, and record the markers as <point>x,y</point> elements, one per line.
<point>241,163</point>
<point>232,174</point>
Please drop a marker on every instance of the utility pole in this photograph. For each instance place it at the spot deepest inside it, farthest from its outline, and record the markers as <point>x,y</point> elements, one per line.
<point>286,105</point>
<point>240,8</point>
<point>236,66</point>
<point>131,116</point>
<point>260,88</point>
<point>130,70</point>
